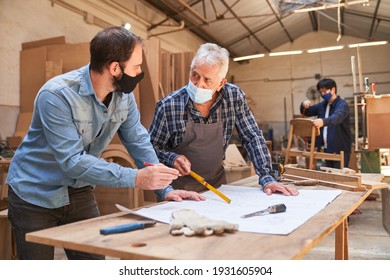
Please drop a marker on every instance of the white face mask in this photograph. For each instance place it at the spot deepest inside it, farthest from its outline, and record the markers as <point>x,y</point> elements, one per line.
<point>199,95</point>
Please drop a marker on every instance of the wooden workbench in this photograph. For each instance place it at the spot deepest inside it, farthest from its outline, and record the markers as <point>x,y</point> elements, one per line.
<point>157,243</point>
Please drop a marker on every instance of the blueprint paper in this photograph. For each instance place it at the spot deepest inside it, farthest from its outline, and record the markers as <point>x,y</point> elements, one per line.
<point>246,200</point>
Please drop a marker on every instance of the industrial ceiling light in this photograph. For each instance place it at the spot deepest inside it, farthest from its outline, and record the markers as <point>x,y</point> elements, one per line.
<point>330,6</point>
<point>285,53</point>
<point>367,44</point>
<point>333,48</point>
<point>127,25</point>
<point>247,57</point>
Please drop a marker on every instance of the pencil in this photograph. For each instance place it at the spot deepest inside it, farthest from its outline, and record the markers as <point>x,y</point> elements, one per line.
<point>210,187</point>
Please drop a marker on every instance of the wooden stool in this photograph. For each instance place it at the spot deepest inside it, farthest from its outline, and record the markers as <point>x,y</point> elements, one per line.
<point>7,238</point>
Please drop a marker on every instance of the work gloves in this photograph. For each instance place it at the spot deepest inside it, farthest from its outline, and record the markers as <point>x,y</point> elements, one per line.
<point>190,223</point>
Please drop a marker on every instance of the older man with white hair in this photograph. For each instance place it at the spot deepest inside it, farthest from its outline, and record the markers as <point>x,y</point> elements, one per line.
<point>192,126</point>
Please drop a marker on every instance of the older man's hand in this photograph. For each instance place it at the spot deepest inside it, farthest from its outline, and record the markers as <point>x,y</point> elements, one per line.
<point>179,195</point>
<point>276,187</point>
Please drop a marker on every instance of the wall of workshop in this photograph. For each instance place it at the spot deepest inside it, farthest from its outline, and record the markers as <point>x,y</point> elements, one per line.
<point>24,21</point>
<point>276,86</point>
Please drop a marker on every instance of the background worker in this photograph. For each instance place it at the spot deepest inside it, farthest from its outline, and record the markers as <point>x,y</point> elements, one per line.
<point>192,126</point>
<point>75,117</point>
<point>333,119</point>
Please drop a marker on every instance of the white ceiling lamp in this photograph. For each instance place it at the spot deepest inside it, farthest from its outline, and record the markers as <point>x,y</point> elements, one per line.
<point>247,57</point>
<point>127,25</point>
<point>368,44</point>
<point>330,6</point>
<point>285,53</point>
<point>334,48</point>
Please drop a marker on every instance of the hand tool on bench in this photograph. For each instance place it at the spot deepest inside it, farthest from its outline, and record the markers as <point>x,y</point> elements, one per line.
<point>278,208</point>
<point>127,227</point>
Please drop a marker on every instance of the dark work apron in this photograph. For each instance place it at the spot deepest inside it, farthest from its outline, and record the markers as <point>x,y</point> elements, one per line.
<point>203,146</point>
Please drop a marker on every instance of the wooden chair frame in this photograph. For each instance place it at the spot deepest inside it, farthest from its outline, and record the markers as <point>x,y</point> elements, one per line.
<point>303,127</point>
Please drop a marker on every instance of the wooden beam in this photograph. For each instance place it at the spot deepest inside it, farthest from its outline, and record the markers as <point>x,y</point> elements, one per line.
<point>325,183</point>
<point>354,181</point>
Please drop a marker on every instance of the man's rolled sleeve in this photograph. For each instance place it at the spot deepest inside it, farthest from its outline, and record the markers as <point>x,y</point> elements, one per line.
<point>162,193</point>
<point>265,180</point>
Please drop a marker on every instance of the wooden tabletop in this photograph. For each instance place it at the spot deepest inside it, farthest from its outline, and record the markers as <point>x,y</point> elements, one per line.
<point>158,243</point>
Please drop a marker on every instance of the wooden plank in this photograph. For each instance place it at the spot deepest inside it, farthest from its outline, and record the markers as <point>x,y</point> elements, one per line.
<point>149,86</point>
<point>368,181</point>
<point>354,181</point>
<point>45,42</point>
<point>325,156</point>
<point>373,177</point>
<point>346,171</point>
<point>373,181</point>
<point>326,183</point>
<point>374,185</point>
<point>166,74</point>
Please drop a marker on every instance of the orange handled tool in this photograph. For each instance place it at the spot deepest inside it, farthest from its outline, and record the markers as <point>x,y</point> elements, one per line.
<point>210,187</point>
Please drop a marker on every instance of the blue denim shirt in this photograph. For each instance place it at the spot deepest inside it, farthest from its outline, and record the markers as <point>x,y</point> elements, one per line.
<point>70,128</point>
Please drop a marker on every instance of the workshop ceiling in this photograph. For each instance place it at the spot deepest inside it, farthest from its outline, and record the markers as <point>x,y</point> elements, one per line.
<point>248,27</point>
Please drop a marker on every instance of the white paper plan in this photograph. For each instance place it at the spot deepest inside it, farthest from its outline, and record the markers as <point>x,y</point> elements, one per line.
<point>246,200</point>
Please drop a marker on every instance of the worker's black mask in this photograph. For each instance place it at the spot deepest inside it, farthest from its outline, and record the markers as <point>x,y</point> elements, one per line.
<point>127,84</point>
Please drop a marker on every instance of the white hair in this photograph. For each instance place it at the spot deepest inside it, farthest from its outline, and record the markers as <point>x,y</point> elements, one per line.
<point>212,54</point>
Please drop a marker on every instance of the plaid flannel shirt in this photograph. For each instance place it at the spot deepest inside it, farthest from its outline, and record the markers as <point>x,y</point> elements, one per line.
<point>169,124</point>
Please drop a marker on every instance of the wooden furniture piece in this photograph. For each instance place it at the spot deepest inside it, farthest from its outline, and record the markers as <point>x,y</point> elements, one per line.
<point>304,128</point>
<point>378,116</point>
<point>7,238</point>
<point>4,165</point>
<point>158,243</point>
<point>106,197</point>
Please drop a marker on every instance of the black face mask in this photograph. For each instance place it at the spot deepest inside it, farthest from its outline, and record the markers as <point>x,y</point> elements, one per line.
<point>127,83</point>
